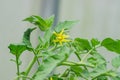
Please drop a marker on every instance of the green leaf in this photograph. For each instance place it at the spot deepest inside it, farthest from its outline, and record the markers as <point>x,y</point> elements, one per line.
<point>56,77</point>
<point>102,78</point>
<point>71,76</point>
<point>95,42</point>
<point>43,24</point>
<point>98,59</point>
<point>92,60</point>
<point>50,64</point>
<point>111,45</point>
<point>85,74</point>
<point>17,49</point>
<point>47,35</point>
<point>82,44</point>
<point>116,78</point>
<point>98,71</point>
<point>116,62</point>
<point>76,69</point>
<point>50,21</point>
<point>64,25</point>
<point>26,37</point>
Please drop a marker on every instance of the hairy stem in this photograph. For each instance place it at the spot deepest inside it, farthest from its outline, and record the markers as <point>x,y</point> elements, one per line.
<point>84,57</point>
<point>17,63</point>
<point>30,66</point>
<point>36,57</point>
<point>68,63</point>
<point>77,56</point>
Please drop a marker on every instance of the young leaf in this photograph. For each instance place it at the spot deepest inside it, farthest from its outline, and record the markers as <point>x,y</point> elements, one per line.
<point>17,49</point>
<point>64,25</point>
<point>116,62</point>
<point>40,22</point>
<point>50,21</point>
<point>94,42</point>
<point>111,45</point>
<point>92,60</point>
<point>26,37</point>
<point>82,44</point>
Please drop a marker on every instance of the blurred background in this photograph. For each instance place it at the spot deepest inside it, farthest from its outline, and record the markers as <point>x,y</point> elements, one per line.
<point>98,19</point>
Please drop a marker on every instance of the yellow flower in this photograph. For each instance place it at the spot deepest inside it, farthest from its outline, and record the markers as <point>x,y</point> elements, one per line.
<point>61,37</point>
<point>51,78</point>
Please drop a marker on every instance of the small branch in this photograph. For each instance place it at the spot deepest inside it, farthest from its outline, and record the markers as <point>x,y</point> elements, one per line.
<point>84,57</point>
<point>36,56</point>
<point>23,77</point>
<point>77,56</point>
<point>17,63</point>
<point>67,63</point>
<point>66,72</point>
<point>30,66</point>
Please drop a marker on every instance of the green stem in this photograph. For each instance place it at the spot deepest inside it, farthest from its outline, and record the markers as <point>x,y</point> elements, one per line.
<point>23,77</point>
<point>77,56</point>
<point>30,66</point>
<point>65,74</point>
<point>54,48</point>
<point>67,63</point>
<point>17,63</point>
<point>36,57</point>
<point>84,57</point>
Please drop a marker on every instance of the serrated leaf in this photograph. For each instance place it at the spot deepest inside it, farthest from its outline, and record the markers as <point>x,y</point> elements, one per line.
<point>111,45</point>
<point>43,24</point>
<point>100,69</point>
<point>82,44</point>
<point>50,64</point>
<point>17,49</point>
<point>64,25</point>
<point>26,37</point>
<point>99,59</point>
<point>94,42</point>
<point>50,21</point>
<point>116,62</point>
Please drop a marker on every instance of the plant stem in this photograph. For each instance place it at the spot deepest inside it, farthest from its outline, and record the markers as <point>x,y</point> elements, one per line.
<point>23,77</point>
<point>65,74</point>
<point>30,66</point>
<point>68,63</point>
<point>17,63</point>
<point>77,56</point>
<point>36,56</point>
<point>84,57</point>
